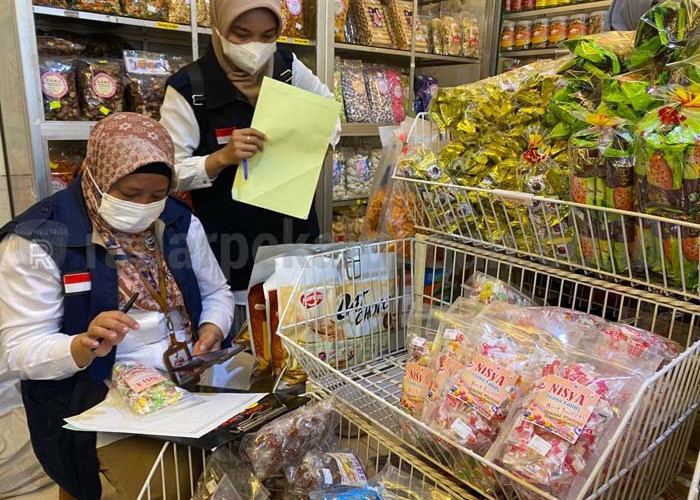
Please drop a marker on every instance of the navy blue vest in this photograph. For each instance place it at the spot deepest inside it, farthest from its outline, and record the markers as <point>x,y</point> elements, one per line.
<point>235,229</point>
<point>60,224</point>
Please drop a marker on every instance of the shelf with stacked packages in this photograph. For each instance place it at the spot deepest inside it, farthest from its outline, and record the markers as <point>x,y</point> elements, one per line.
<point>528,320</point>
<point>537,33</point>
<point>75,62</point>
<point>390,57</point>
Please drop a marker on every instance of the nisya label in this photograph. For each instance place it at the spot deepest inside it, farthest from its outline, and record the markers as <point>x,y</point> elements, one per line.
<point>484,385</point>
<point>562,407</point>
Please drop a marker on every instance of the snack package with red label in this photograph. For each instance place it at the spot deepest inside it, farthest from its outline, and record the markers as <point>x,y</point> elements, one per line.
<point>145,389</point>
<point>558,431</point>
<point>451,350</point>
<point>476,401</point>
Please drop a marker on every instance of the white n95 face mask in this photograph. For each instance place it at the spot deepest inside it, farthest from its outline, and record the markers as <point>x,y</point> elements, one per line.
<point>250,57</point>
<point>127,216</point>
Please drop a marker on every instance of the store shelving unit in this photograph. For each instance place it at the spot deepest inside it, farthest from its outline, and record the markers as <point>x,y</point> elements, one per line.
<point>558,11</point>
<point>22,103</point>
<point>550,52</point>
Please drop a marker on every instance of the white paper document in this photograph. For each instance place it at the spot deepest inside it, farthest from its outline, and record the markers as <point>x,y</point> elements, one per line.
<point>192,417</point>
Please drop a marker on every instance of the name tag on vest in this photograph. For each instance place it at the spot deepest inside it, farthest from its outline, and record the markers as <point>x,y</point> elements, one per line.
<point>223,135</point>
<point>77,283</point>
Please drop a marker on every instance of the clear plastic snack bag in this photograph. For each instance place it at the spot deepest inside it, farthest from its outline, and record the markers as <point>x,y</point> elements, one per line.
<point>148,74</point>
<point>320,471</point>
<point>226,477</point>
<point>559,429</point>
<point>145,389</point>
<point>486,289</point>
<point>477,399</point>
<point>285,441</point>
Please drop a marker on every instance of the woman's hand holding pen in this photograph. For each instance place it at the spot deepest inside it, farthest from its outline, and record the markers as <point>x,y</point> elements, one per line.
<point>105,331</point>
<point>244,144</point>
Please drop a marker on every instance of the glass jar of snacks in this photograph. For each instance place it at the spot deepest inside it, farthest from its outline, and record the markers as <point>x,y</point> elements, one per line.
<point>540,33</point>
<point>558,30</point>
<point>508,35</point>
<point>577,26</point>
<point>523,35</point>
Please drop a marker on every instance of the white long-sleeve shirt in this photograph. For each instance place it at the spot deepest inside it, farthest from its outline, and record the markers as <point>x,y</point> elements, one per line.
<point>177,116</point>
<point>31,310</point>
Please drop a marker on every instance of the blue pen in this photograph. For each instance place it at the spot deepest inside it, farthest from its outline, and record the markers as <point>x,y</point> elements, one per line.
<point>245,169</point>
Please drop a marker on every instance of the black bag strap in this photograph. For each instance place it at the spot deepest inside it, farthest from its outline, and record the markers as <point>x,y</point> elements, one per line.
<point>194,71</point>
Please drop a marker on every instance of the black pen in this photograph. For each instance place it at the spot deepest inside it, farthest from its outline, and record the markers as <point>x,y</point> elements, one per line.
<point>127,307</point>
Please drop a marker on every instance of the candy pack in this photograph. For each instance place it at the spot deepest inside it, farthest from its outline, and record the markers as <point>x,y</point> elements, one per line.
<point>144,389</point>
<point>557,431</point>
<point>501,360</point>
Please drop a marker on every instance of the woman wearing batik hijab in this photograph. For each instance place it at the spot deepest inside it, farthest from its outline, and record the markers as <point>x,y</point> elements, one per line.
<point>70,263</point>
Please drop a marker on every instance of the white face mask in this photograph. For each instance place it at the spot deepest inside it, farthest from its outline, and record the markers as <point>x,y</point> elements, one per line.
<point>126,216</point>
<point>250,57</point>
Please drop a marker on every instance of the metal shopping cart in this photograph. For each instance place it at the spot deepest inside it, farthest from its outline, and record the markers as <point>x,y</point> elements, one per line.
<point>370,445</point>
<point>579,263</point>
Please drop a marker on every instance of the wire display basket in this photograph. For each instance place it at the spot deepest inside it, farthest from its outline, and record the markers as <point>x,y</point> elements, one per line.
<point>364,367</point>
<point>370,445</point>
<point>659,253</point>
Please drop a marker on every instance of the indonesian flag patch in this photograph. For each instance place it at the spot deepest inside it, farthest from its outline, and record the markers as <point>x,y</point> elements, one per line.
<point>223,135</point>
<point>77,283</point>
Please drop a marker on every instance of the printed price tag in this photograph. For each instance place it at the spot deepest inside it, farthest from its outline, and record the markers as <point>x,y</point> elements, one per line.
<point>327,476</point>
<point>418,342</point>
<point>167,26</point>
<point>462,429</point>
<point>539,445</point>
<point>451,334</point>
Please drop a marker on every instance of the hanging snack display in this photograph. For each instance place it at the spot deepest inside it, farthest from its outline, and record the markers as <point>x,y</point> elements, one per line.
<point>293,18</point>
<point>101,88</point>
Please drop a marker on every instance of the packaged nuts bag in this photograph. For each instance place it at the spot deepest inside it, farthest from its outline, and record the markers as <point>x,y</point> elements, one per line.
<point>100,86</point>
<point>58,89</point>
<point>147,73</point>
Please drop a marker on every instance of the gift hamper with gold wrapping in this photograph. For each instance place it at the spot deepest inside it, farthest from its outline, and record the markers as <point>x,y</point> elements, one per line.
<point>534,333</point>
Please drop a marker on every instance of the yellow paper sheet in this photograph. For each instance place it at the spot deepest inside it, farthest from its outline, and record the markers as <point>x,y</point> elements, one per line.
<point>298,125</point>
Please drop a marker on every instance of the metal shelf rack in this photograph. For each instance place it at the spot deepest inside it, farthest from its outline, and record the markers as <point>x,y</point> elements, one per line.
<point>558,11</point>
